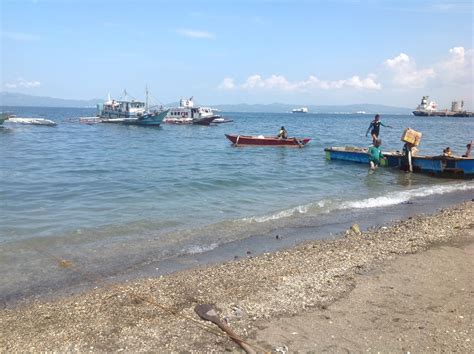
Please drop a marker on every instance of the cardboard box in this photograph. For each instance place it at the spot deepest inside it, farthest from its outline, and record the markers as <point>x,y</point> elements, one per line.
<point>411,136</point>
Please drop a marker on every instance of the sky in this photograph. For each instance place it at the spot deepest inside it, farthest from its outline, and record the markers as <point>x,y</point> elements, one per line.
<point>298,52</point>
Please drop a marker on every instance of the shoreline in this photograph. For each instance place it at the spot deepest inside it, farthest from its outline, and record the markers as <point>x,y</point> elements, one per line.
<point>46,281</point>
<point>157,314</point>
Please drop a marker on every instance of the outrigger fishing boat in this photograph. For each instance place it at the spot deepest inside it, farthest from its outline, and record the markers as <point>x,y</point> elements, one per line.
<point>260,140</point>
<point>440,166</point>
<point>127,112</point>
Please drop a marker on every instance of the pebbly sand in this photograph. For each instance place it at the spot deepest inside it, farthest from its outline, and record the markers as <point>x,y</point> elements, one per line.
<point>408,287</point>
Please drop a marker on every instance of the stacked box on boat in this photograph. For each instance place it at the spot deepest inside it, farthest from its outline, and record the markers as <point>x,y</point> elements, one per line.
<point>411,136</point>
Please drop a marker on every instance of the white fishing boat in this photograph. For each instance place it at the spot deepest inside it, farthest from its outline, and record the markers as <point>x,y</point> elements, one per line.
<point>300,110</point>
<point>186,113</point>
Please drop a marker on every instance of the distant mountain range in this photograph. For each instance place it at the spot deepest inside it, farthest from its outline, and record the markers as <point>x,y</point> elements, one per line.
<point>18,99</point>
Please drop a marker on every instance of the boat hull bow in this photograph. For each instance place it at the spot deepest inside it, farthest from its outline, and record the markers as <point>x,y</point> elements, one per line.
<point>245,140</point>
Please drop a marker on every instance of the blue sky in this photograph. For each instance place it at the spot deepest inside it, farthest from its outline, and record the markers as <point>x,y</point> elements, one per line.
<point>298,52</point>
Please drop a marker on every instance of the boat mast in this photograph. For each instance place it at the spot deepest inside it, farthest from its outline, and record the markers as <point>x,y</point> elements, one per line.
<point>146,98</point>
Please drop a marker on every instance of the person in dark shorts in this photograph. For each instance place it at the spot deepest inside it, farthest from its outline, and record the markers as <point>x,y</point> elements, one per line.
<point>374,128</point>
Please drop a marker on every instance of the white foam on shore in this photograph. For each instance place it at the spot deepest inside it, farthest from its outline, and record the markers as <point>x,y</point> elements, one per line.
<point>399,197</point>
<point>389,199</point>
<point>200,249</point>
<point>300,209</point>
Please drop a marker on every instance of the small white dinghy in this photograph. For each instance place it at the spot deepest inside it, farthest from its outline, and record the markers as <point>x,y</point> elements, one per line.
<point>32,121</point>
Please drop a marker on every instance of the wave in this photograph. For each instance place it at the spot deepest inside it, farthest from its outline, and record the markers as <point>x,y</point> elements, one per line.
<point>199,249</point>
<point>399,197</point>
<point>301,209</point>
<point>392,198</point>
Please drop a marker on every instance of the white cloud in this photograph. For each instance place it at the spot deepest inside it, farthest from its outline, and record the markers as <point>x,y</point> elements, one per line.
<point>443,7</point>
<point>195,34</point>
<point>405,72</point>
<point>400,72</point>
<point>279,82</point>
<point>227,84</point>
<point>458,67</point>
<point>356,82</point>
<point>23,83</point>
<point>273,82</point>
<point>402,59</point>
<point>19,36</point>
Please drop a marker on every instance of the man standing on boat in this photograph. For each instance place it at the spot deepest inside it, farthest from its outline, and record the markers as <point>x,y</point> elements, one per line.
<point>375,126</point>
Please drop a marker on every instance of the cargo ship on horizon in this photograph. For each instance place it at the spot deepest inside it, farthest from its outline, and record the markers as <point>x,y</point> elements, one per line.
<point>429,108</point>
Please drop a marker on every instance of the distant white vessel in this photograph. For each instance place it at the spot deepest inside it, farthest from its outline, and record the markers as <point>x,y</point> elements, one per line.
<point>300,110</point>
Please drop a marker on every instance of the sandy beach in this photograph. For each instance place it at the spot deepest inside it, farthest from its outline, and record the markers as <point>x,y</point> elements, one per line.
<point>407,287</point>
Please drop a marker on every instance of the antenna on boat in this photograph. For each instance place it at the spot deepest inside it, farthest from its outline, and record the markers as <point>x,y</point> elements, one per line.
<point>146,98</point>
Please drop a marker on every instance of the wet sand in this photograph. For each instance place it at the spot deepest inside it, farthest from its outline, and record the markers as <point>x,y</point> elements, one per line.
<point>407,287</point>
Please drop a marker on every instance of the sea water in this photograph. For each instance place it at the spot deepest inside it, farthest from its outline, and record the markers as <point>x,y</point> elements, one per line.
<point>108,198</point>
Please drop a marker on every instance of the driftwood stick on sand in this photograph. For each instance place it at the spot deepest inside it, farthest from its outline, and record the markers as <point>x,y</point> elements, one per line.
<point>208,312</point>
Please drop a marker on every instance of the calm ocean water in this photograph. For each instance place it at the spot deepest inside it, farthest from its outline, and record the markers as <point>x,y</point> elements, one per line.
<point>106,196</point>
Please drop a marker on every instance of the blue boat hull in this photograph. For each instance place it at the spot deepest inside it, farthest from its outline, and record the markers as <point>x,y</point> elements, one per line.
<point>360,156</point>
<point>440,166</point>
<point>148,120</point>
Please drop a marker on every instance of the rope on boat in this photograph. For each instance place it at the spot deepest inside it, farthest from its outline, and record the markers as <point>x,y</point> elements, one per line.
<point>300,144</point>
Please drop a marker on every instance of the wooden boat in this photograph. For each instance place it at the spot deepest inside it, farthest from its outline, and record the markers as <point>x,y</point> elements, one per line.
<point>440,166</point>
<point>260,140</point>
